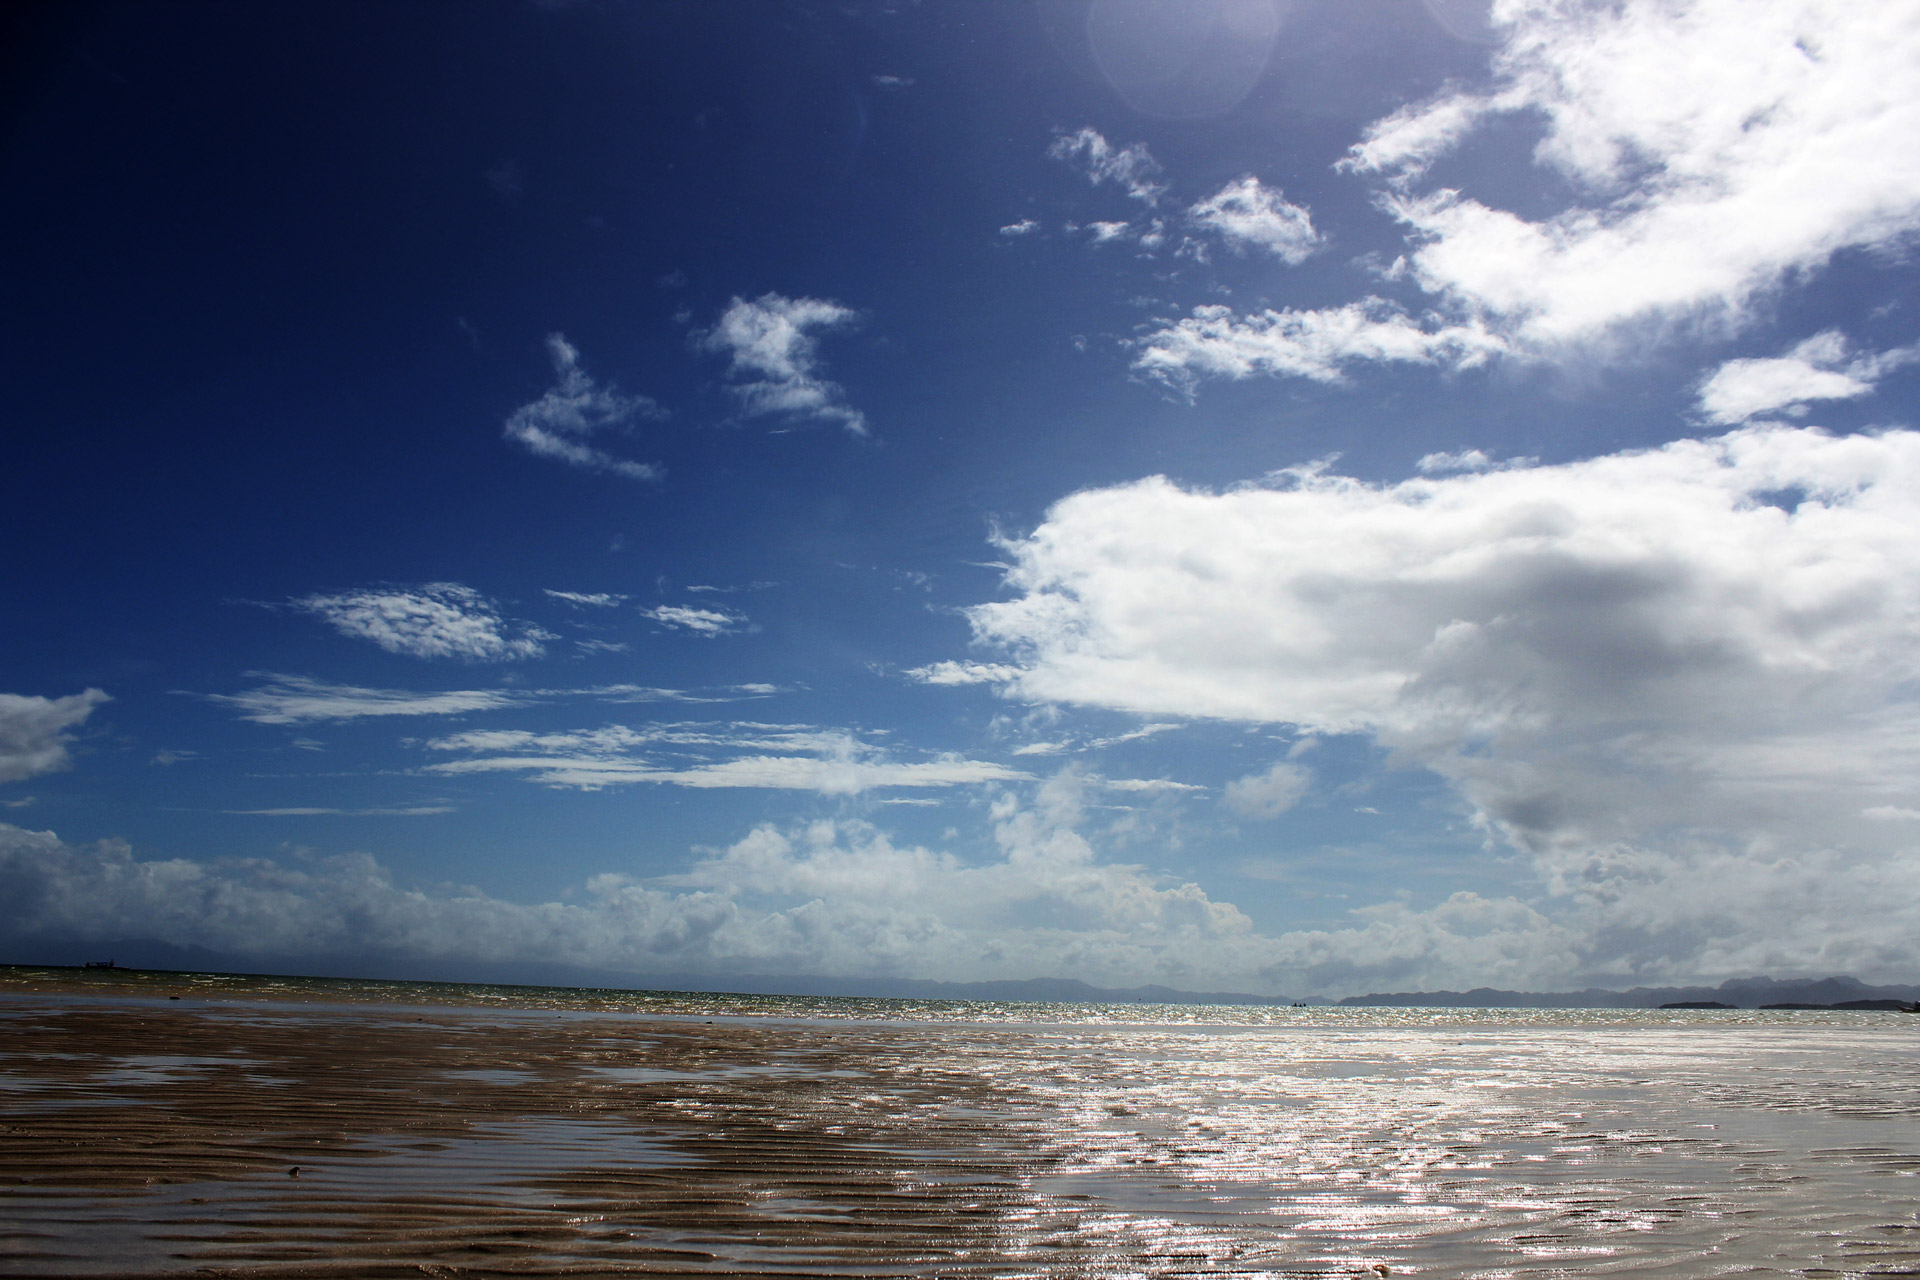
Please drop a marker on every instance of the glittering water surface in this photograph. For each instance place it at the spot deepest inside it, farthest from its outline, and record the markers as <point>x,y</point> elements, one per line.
<point>709,1134</point>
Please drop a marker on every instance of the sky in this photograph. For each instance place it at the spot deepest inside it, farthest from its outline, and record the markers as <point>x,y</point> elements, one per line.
<point>1283,496</point>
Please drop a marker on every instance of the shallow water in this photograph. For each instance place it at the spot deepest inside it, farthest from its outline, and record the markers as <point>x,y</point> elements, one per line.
<point>745,1135</point>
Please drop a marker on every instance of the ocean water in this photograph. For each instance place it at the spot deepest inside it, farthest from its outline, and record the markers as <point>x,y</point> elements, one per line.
<point>650,1132</point>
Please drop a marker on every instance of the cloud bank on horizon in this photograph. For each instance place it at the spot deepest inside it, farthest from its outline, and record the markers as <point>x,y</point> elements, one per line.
<point>1493,557</point>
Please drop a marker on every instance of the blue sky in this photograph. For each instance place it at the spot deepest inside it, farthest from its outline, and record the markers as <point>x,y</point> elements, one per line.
<point>1298,497</point>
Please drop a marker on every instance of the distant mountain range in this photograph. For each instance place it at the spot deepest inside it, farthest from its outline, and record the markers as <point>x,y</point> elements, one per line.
<point>1741,993</point>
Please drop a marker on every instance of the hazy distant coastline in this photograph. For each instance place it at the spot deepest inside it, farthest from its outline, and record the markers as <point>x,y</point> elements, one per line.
<point>1740,993</point>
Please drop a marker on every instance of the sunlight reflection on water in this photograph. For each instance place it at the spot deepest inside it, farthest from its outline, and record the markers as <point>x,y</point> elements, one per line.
<point>702,1134</point>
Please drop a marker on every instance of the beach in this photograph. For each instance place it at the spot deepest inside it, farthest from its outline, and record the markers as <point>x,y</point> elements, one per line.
<point>166,1126</point>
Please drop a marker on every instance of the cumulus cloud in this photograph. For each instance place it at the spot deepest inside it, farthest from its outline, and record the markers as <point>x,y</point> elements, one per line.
<point>1131,168</point>
<point>561,422</point>
<point>1712,151</point>
<point>1317,344</point>
<point>1269,794</point>
<point>1249,216</point>
<point>1674,679</point>
<point>836,898</point>
<point>1820,368</point>
<point>706,756</point>
<point>438,620</point>
<point>1024,227</point>
<point>773,347</point>
<point>35,731</point>
<point>704,622</point>
<point>285,699</point>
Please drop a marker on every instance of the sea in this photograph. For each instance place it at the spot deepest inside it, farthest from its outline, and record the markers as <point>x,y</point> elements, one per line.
<point>947,1138</point>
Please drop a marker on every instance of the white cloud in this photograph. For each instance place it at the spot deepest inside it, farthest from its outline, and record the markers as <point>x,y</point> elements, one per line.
<point>590,600</point>
<point>1131,168</point>
<point>1817,369</point>
<point>34,731</point>
<point>302,700</point>
<point>775,360</point>
<point>953,673</point>
<point>1146,784</point>
<point>1103,232</point>
<point>1215,342</point>
<point>777,757</point>
<point>1673,679</point>
<point>438,620</point>
<point>1024,227</point>
<point>1722,145</point>
<point>1248,215</point>
<point>1269,794</point>
<point>285,699</point>
<point>1711,152</point>
<point>823,898</point>
<point>559,424</point>
<point>1441,463</point>
<point>705,622</point>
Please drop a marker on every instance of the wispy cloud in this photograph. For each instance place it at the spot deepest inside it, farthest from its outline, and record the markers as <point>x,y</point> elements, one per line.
<point>705,622</point>
<point>1131,168</point>
<point>773,348</point>
<point>586,600</point>
<point>285,699</point>
<point>35,731</point>
<point>1146,784</point>
<point>1024,227</point>
<point>707,755</point>
<point>411,811</point>
<point>1269,794</point>
<point>571,412</point>
<point>1821,368</point>
<point>954,673</point>
<point>438,620</point>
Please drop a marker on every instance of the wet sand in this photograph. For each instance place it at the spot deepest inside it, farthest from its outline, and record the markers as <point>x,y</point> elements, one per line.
<point>453,1142</point>
<point>142,1136</point>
